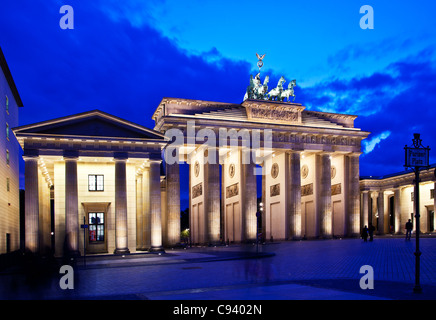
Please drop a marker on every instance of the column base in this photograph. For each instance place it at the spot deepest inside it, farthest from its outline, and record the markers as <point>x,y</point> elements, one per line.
<point>296,238</point>
<point>72,254</point>
<point>122,251</point>
<point>157,249</point>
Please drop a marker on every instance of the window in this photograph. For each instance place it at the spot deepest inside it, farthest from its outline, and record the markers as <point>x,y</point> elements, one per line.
<point>8,185</point>
<point>432,194</point>
<point>96,182</point>
<point>7,104</point>
<point>96,226</point>
<point>7,131</point>
<point>7,157</point>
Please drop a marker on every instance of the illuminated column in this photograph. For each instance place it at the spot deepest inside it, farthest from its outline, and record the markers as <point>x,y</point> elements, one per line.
<point>31,204</point>
<point>353,195</point>
<point>173,203</point>
<point>365,208</point>
<point>294,195</point>
<point>155,206</point>
<point>381,212</point>
<point>146,222</point>
<point>121,206</point>
<point>397,210</point>
<point>212,195</point>
<point>325,196</point>
<point>374,208</point>
<point>71,205</point>
<point>249,195</point>
<point>434,204</point>
<point>139,213</point>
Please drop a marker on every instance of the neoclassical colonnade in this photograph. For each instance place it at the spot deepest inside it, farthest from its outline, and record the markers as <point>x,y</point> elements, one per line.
<point>61,162</point>
<point>388,201</point>
<point>308,161</point>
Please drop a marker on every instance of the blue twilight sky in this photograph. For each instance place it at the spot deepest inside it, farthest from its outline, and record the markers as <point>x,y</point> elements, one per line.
<point>122,57</point>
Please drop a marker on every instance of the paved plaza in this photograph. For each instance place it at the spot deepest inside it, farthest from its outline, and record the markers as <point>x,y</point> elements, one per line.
<point>318,269</point>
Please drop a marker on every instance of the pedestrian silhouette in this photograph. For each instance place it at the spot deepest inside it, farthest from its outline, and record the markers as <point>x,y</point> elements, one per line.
<point>371,229</point>
<point>409,228</point>
<point>364,234</point>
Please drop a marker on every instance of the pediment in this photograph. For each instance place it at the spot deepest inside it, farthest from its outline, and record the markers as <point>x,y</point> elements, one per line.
<point>90,124</point>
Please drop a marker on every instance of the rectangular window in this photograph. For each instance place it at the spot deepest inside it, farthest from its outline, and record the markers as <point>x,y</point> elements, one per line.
<point>96,182</point>
<point>432,194</point>
<point>7,131</point>
<point>7,105</point>
<point>8,185</point>
<point>96,226</point>
<point>7,157</point>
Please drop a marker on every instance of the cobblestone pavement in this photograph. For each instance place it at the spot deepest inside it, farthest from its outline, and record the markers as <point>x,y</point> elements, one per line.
<point>324,269</point>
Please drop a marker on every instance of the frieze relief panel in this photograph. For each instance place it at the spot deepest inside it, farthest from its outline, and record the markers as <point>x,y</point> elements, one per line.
<point>197,190</point>
<point>336,189</point>
<point>276,113</point>
<point>313,139</point>
<point>307,190</point>
<point>275,190</point>
<point>232,190</point>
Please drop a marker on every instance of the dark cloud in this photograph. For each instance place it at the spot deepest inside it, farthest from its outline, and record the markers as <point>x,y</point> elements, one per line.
<point>400,99</point>
<point>125,70</point>
<point>115,67</point>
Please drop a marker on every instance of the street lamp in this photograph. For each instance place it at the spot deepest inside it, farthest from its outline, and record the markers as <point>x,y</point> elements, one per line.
<point>417,157</point>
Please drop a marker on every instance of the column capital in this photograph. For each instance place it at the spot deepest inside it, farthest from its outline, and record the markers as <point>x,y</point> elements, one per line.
<point>27,158</point>
<point>299,152</point>
<point>31,153</point>
<point>71,154</point>
<point>121,156</point>
<point>326,153</point>
<point>354,154</point>
<point>158,161</point>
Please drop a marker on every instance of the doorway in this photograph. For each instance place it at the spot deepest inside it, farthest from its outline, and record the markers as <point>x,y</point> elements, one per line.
<point>97,238</point>
<point>430,223</point>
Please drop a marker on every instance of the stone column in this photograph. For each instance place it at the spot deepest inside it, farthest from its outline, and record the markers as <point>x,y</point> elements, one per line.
<point>31,204</point>
<point>353,195</point>
<point>155,207</point>
<point>146,222</point>
<point>249,195</point>
<point>139,213</point>
<point>294,195</point>
<point>434,205</point>
<point>374,208</point>
<point>71,206</point>
<point>397,210</point>
<point>173,203</point>
<point>325,196</point>
<point>121,244</point>
<point>212,195</point>
<point>381,212</point>
<point>365,208</point>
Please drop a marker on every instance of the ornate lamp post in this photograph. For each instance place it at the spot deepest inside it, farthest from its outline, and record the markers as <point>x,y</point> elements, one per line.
<point>417,157</point>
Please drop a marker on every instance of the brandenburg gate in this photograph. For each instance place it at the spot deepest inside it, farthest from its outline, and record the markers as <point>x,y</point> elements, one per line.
<point>307,162</point>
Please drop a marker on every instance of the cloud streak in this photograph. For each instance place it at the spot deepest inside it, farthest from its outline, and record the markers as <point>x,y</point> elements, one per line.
<point>369,145</point>
<point>392,104</point>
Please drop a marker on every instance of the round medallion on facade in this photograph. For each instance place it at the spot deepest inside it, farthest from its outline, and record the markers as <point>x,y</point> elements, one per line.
<point>274,170</point>
<point>304,171</point>
<point>196,168</point>
<point>333,172</point>
<point>232,170</point>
